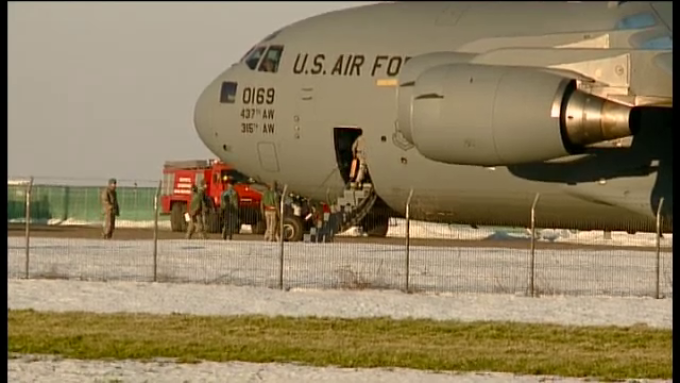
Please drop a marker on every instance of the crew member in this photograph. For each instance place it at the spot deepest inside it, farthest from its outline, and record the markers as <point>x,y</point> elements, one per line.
<point>360,156</point>
<point>230,201</point>
<point>110,208</point>
<point>269,208</point>
<point>196,209</point>
<point>268,65</point>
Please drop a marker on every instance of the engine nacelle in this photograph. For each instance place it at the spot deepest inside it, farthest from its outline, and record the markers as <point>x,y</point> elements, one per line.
<point>485,115</point>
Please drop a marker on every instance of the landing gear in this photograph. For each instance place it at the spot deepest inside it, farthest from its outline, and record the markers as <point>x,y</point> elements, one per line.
<point>376,225</point>
<point>293,228</point>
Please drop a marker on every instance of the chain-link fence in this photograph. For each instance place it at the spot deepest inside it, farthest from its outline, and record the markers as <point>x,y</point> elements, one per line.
<point>419,253</point>
<point>56,203</point>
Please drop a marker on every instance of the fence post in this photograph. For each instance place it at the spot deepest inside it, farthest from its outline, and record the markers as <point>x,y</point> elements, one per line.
<point>408,239</point>
<point>658,249</point>
<point>29,189</point>
<point>281,212</point>
<point>533,244</point>
<point>156,210</point>
<point>136,208</point>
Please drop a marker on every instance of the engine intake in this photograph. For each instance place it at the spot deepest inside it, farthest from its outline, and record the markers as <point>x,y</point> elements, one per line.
<point>498,115</point>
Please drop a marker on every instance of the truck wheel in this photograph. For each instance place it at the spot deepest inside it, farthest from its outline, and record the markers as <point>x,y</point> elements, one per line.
<point>212,222</point>
<point>376,225</point>
<point>177,221</point>
<point>259,227</point>
<point>293,228</point>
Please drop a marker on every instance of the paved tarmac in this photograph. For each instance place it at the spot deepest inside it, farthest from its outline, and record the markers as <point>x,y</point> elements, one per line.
<point>89,232</point>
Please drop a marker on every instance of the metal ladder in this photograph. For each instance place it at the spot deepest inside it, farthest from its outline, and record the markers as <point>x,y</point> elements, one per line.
<point>347,212</point>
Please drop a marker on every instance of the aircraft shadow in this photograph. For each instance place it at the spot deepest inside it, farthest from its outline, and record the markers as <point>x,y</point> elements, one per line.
<point>651,151</point>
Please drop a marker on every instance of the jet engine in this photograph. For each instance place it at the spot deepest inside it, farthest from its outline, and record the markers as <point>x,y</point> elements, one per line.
<point>485,115</point>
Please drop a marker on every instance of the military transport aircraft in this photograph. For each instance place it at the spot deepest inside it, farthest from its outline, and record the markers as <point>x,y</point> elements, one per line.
<point>474,106</point>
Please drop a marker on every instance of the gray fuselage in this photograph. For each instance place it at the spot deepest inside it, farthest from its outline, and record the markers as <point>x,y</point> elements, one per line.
<point>341,69</point>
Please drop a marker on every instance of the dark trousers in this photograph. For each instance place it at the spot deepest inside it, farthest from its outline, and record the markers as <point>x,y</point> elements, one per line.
<point>230,224</point>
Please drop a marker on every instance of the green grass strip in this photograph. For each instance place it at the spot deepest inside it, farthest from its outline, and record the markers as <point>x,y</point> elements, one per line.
<point>607,353</point>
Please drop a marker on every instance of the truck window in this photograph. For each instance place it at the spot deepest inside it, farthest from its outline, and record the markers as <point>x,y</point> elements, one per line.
<point>254,57</point>
<point>271,60</point>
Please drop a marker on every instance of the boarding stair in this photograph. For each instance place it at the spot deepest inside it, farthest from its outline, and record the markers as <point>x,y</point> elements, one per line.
<point>346,212</point>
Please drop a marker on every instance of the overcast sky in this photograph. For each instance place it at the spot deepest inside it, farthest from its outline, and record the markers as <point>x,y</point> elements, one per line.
<point>102,89</point>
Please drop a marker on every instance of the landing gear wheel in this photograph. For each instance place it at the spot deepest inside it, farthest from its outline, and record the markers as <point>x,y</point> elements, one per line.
<point>212,222</point>
<point>259,227</point>
<point>376,226</point>
<point>293,229</point>
<point>177,221</point>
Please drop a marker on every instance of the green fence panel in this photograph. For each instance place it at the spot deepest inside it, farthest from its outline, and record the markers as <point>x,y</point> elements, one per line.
<point>78,203</point>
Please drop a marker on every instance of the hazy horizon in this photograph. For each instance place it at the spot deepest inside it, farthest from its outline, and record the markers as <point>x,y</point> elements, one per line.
<point>107,89</point>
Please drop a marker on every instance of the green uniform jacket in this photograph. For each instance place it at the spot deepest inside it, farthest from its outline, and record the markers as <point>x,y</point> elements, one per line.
<point>234,198</point>
<point>270,199</point>
<point>197,203</point>
<point>109,199</point>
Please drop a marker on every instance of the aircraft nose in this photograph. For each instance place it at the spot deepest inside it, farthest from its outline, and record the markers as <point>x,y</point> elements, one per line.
<point>202,114</point>
<point>214,110</point>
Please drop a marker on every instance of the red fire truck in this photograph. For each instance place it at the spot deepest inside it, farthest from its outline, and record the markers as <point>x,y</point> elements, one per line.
<point>179,176</point>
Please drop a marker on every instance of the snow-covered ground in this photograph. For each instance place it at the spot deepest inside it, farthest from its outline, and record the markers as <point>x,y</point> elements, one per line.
<point>309,267</point>
<point>346,265</point>
<point>431,230</point>
<point>161,298</point>
<point>46,295</point>
<point>29,369</point>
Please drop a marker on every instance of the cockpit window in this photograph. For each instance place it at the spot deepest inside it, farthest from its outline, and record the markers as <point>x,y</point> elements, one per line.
<point>243,58</point>
<point>271,60</point>
<point>254,57</point>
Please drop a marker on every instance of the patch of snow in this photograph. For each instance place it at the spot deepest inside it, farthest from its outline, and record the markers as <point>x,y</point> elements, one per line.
<point>345,265</point>
<point>29,369</point>
<point>162,298</point>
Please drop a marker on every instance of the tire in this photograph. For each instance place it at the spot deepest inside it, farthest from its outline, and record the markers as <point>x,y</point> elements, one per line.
<point>259,227</point>
<point>212,222</point>
<point>376,226</point>
<point>293,228</point>
<point>177,221</point>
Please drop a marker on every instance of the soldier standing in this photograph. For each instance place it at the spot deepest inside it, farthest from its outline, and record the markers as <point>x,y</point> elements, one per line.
<point>269,208</point>
<point>196,208</point>
<point>109,200</point>
<point>230,206</point>
<point>360,156</point>
<point>207,203</point>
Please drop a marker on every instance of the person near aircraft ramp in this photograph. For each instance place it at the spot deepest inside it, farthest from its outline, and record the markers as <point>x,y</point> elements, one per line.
<point>196,208</point>
<point>359,155</point>
<point>269,208</point>
<point>229,204</point>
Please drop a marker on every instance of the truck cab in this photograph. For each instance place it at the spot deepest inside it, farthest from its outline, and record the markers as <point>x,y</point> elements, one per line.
<point>179,176</point>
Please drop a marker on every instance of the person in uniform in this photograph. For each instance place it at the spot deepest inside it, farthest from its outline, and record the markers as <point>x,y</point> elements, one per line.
<point>360,156</point>
<point>269,207</point>
<point>207,203</point>
<point>268,65</point>
<point>196,209</point>
<point>230,201</point>
<point>110,208</point>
